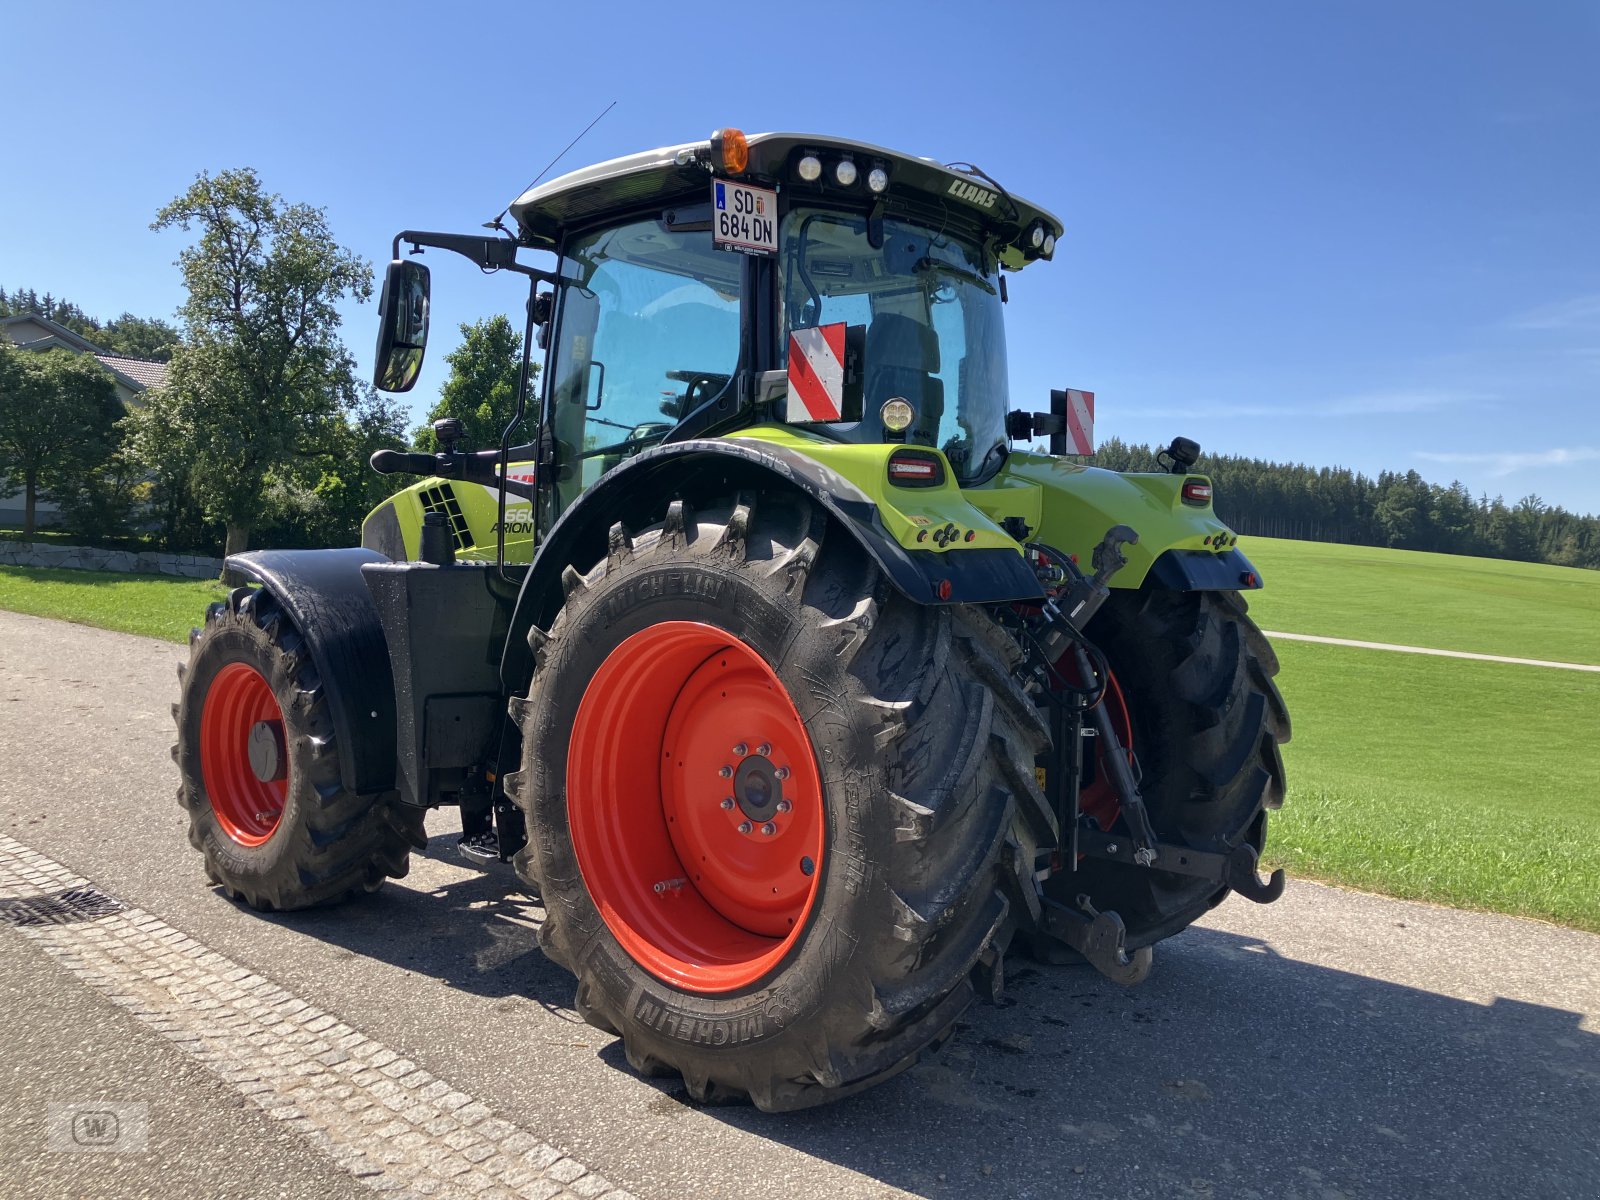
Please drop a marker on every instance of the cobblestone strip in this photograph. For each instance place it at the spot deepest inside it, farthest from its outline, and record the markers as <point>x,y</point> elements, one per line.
<point>393,1125</point>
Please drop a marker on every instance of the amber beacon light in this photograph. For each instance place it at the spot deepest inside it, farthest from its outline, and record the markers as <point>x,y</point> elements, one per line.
<point>731,150</point>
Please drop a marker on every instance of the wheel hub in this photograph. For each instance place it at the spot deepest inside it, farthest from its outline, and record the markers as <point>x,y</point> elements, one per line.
<point>265,749</point>
<point>757,789</point>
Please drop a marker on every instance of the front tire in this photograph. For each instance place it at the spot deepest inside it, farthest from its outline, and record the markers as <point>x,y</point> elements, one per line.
<point>260,770</point>
<point>799,963</point>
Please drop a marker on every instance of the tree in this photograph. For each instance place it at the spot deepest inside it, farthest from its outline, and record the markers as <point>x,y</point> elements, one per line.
<point>165,453</point>
<point>1268,499</point>
<point>261,378</point>
<point>482,389</point>
<point>1399,513</point>
<point>58,417</point>
<point>321,500</point>
<point>137,337</point>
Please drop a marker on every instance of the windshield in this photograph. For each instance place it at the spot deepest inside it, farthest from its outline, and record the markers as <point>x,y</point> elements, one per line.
<point>649,330</point>
<point>935,337</point>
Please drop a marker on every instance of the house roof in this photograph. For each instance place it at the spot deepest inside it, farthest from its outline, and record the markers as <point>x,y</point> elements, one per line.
<point>136,374</point>
<point>53,335</point>
<point>140,372</point>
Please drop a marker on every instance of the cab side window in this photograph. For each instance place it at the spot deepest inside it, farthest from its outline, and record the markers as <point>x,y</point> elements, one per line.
<point>648,330</point>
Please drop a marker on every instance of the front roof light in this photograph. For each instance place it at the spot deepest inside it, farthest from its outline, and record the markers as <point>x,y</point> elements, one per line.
<point>877,180</point>
<point>809,168</point>
<point>1049,244</point>
<point>1036,238</point>
<point>845,173</point>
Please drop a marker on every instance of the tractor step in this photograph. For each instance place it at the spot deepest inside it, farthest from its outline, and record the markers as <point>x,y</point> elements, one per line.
<point>481,849</point>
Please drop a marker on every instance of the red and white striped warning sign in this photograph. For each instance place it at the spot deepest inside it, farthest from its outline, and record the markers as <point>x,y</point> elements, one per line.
<point>1080,422</point>
<point>816,374</point>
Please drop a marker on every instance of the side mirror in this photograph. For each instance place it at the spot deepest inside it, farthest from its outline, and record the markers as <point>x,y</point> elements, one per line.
<point>402,326</point>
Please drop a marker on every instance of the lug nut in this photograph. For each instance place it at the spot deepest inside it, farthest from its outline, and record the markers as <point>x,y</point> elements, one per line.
<point>764,749</point>
<point>726,772</point>
<point>784,806</point>
<point>727,803</point>
<point>741,749</point>
<point>782,772</point>
<point>769,829</point>
<point>745,826</point>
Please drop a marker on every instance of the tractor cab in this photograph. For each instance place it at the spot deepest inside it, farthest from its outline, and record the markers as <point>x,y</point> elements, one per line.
<point>819,283</point>
<point>752,251</point>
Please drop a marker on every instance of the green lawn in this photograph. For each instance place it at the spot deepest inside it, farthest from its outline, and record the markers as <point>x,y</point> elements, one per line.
<point>1446,601</point>
<point>1467,783</point>
<point>159,606</point>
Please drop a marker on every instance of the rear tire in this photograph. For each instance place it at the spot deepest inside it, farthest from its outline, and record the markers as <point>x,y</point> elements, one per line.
<point>1207,721</point>
<point>928,814</point>
<point>298,840</point>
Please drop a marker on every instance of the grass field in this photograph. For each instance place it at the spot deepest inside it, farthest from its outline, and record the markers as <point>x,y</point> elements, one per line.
<point>1467,783</point>
<point>157,606</point>
<point>1449,602</point>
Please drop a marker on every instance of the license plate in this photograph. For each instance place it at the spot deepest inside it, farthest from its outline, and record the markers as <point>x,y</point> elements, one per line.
<point>743,218</point>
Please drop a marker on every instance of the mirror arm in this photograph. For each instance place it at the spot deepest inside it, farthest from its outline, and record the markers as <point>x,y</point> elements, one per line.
<point>524,381</point>
<point>489,253</point>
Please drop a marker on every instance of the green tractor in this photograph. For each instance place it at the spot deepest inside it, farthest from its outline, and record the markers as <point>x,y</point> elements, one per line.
<point>798,686</point>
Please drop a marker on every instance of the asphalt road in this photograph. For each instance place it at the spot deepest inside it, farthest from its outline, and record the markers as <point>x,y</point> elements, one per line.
<point>1334,1044</point>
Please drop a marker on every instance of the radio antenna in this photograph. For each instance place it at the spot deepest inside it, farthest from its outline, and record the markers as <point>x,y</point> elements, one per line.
<point>495,224</point>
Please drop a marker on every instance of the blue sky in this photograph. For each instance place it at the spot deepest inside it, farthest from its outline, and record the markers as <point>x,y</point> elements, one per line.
<point>1358,233</point>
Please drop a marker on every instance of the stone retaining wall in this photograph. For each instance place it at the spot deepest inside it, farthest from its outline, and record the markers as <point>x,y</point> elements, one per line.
<point>88,558</point>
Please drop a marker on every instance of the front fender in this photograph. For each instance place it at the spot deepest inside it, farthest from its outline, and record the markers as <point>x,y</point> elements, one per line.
<point>325,596</point>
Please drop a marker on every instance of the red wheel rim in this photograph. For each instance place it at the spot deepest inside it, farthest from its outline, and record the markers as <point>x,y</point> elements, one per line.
<point>695,806</point>
<point>247,807</point>
<point>1099,800</point>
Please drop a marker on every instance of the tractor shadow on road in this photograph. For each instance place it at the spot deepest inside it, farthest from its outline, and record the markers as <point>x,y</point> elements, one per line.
<point>1232,1071</point>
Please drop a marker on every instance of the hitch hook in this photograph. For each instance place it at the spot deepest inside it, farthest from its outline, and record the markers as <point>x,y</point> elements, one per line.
<point>1105,946</point>
<point>1243,879</point>
<point>1100,937</point>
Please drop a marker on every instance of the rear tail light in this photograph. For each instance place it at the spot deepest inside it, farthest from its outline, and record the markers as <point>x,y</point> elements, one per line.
<point>1196,492</point>
<point>915,468</point>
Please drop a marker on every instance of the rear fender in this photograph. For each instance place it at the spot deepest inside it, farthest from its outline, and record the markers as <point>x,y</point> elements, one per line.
<point>1182,546</point>
<point>323,593</point>
<point>701,472</point>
